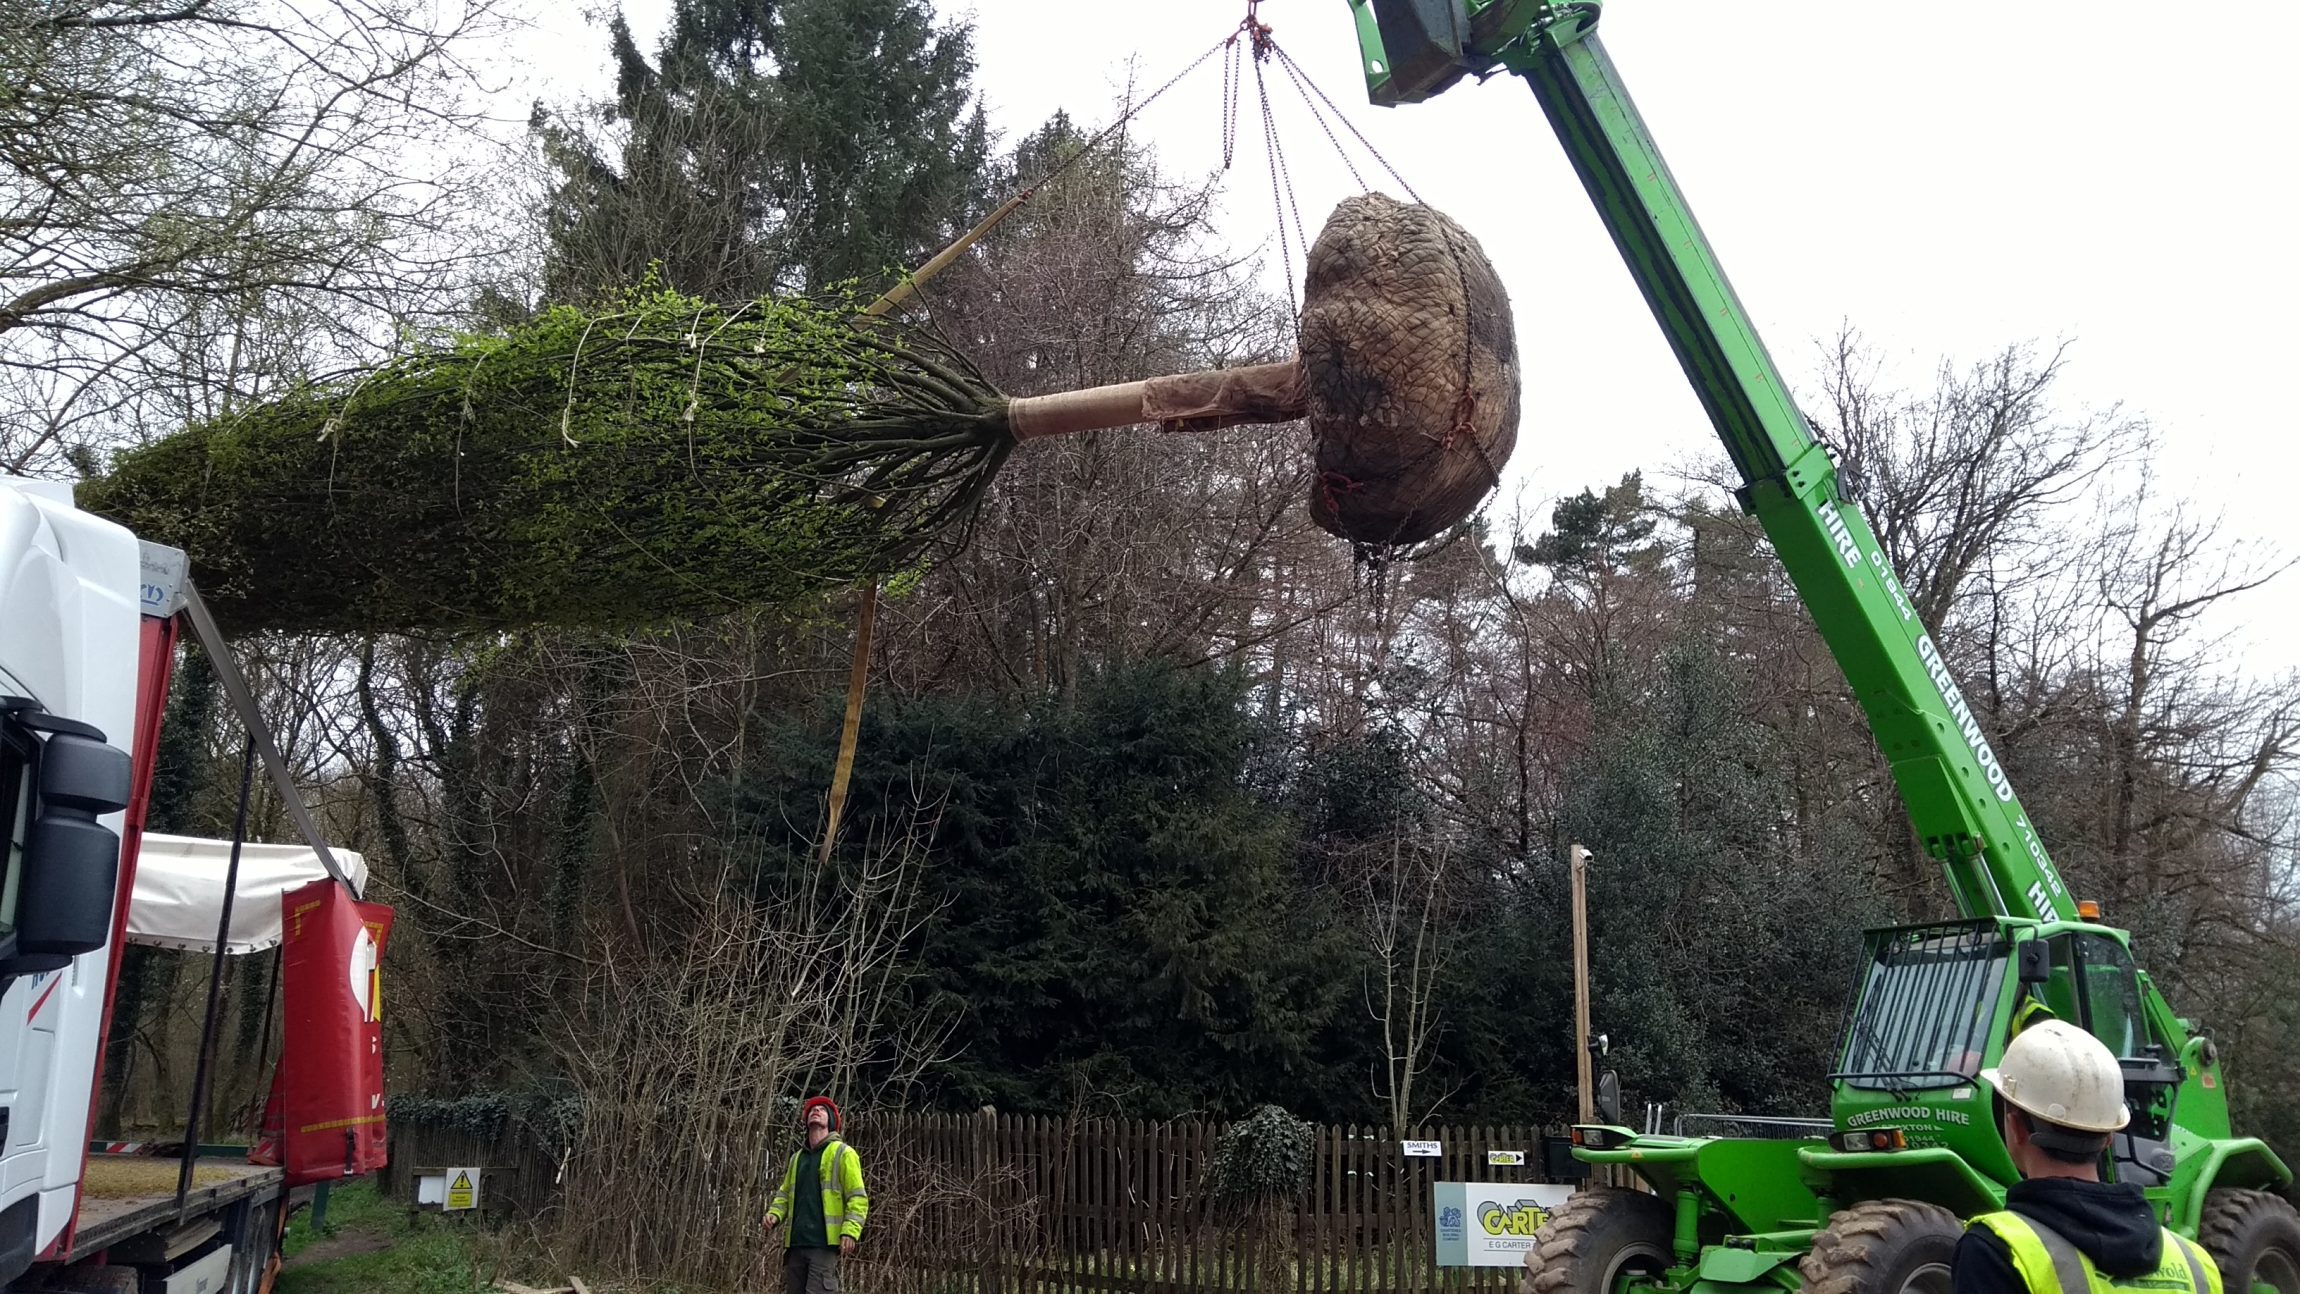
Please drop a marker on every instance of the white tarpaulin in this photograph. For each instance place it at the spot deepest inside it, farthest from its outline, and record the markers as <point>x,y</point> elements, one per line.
<point>180,890</point>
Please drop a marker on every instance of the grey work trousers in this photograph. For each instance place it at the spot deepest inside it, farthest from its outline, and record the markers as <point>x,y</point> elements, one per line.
<point>808,1270</point>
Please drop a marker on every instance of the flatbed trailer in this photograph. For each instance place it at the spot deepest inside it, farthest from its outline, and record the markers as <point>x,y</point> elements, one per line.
<point>132,1232</point>
<point>124,1197</point>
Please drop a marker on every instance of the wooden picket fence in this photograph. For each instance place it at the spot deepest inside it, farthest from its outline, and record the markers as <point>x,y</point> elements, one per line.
<point>519,1179</point>
<point>1020,1205</point>
<point>977,1204</point>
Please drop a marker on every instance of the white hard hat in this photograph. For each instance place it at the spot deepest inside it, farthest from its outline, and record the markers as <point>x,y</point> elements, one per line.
<point>2062,1075</point>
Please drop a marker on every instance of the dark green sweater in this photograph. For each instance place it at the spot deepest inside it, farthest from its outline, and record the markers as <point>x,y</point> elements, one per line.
<point>807,1201</point>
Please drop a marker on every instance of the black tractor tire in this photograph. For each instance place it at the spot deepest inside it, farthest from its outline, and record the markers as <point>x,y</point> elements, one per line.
<point>1600,1235</point>
<point>1884,1247</point>
<point>2255,1238</point>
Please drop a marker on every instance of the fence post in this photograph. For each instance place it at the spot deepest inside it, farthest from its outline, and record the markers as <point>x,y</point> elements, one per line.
<point>1361,1240</point>
<point>985,1132</point>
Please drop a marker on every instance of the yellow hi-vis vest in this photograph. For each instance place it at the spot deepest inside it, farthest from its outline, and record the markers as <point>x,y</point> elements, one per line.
<point>845,1202</point>
<point>2047,1262</point>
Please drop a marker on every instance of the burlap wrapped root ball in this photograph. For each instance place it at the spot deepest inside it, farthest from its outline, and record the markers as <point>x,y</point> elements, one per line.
<point>1409,364</point>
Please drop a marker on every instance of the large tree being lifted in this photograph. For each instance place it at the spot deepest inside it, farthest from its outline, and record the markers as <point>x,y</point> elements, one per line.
<point>663,457</point>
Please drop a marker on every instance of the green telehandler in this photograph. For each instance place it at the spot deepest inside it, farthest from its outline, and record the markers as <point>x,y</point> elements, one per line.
<point>1875,1206</point>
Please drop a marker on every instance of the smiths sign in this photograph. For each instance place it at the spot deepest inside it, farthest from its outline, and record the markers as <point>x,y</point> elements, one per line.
<point>1491,1224</point>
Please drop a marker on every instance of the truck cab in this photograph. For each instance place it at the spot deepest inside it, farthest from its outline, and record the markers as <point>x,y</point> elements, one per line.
<point>73,590</point>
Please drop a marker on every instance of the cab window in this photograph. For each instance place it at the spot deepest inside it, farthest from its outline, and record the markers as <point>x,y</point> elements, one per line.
<point>2112,996</point>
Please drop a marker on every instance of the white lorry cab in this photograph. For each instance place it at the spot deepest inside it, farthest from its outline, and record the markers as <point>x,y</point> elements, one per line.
<point>89,618</point>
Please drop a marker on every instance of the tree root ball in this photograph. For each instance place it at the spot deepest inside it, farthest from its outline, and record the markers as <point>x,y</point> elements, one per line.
<point>1409,357</point>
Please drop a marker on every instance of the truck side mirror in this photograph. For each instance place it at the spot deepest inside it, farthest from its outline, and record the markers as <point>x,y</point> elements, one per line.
<point>71,862</point>
<point>2035,961</point>
<point>1609,1098</point>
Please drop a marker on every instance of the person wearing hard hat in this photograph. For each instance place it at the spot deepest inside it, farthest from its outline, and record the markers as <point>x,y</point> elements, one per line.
<point>823,1199</point>
<point>2063,1230</point>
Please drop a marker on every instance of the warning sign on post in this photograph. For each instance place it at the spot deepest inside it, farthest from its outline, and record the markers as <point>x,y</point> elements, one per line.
<point>462,1189</point>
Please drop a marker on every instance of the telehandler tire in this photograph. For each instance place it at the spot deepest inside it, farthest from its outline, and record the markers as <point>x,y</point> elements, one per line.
<point>1884,1247</point>
<point>1599,1236</point>
<point>2255,1238</point>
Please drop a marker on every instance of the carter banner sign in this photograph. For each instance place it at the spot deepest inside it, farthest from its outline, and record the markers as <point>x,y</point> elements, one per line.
<point>1490,1224</point>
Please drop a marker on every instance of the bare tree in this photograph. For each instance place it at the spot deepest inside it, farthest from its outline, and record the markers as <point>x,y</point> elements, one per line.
<point>1971,470</point>
<point>2158,583</point>
<point>1125,542</point>
<point>689,1062</point>
<point>199,196</point>
<point>1404,899</point>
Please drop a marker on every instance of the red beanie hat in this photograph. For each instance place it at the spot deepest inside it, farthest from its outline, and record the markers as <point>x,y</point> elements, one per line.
<point>825,1102</point>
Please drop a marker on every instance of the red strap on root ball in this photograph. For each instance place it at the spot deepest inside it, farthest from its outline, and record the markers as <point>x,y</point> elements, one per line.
<point>1336,485</point>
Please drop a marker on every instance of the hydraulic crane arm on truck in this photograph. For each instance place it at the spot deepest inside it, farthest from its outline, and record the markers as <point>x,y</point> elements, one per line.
<point>1916,1146</point>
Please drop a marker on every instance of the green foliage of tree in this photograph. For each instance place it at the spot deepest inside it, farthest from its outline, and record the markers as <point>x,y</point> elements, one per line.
<point>2262,977</point>
<point>1592,532</point>
<point>1358,790</point>
<point>1116,918</point>
<point>1725,942</point>
<point>657,457</point>
<point>767,146</point>
<point>1507,1052</point>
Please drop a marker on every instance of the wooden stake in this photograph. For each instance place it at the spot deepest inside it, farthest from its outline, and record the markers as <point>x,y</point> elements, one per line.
<point>850,727</point>
<point>935,264</point>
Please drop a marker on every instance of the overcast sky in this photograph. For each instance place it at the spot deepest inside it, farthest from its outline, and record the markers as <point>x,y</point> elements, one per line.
<point>2115,175</point>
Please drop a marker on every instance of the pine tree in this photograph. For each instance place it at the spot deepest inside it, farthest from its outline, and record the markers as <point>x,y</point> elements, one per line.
<point>768,146</point>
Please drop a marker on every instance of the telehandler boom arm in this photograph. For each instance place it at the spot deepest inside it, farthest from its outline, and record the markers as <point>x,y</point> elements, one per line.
<point>1958,793</point>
